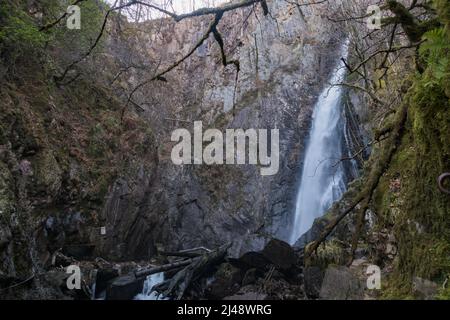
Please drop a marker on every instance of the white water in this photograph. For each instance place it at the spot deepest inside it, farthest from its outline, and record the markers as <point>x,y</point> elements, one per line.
<point>323,179</point>
<point>150,282</point>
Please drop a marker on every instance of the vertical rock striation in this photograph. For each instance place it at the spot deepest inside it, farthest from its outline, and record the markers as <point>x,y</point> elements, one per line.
<point>285,59</point>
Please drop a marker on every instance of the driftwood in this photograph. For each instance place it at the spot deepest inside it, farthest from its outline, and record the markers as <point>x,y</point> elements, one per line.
<point>166,267</point>
<point>177,285</point>
<point>188,253</point>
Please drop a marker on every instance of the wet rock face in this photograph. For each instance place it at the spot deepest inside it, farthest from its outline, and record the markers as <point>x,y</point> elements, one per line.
<point>285,60</point>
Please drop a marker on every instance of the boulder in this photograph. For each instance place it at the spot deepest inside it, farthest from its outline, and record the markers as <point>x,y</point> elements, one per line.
<point>340,283</point>
<point>280,254</point>
<point>424,289</point>
<point>227,281</point>
<point>252,260</point>
<point>103,278</point>
<point>54,286</point>
<point>271,252</point>
<point>250,277</point>
<point>250,243</point>
<point>313,277</point>
<point>124,288</point>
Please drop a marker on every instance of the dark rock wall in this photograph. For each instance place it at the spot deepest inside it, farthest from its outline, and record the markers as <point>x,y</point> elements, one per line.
<point>71,165</point>
<point>285,59</point>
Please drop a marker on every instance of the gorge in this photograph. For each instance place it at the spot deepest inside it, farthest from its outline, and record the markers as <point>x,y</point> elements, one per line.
<point>87,176</point>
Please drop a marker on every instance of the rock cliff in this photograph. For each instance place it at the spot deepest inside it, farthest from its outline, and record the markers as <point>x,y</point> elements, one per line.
<point>285,60</point>
<point>81,175</point>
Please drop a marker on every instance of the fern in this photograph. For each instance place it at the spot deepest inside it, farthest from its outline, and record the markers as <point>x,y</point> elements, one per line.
<point>435,51</point>
<point>436,40</point>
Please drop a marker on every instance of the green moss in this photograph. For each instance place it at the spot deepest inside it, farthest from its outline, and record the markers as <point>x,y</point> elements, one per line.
<point>419,212</point>
<point>330,253</point>
<point>19,30</point>
<point>444,292</point>
<point>79,41</point>
<point>397,287</point>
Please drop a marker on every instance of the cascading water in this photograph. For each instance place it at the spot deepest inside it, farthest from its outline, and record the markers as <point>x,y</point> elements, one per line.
<point>323,175</point>
<point>150,282</point>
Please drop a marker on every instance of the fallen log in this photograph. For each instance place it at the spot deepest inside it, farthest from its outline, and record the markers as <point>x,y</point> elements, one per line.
<point>176,286</point>
<point>166,267</point>
<point>188,253</point>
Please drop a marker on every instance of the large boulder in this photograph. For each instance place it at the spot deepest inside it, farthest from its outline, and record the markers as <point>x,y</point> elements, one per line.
<point>250,277</point>
<point>103,278</point>
<point>264,253</point>
<point>424,289</point>
<point>251,260</point>
<point>124,288</point>
<point>250,243</point>
<point>340,283</point>
<point>227,281</point>
<point>313,277</point>
<point>280,254</point>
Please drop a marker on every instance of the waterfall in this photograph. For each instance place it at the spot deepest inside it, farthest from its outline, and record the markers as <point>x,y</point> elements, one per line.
<point>323,175</point>
<point>150,282</point>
